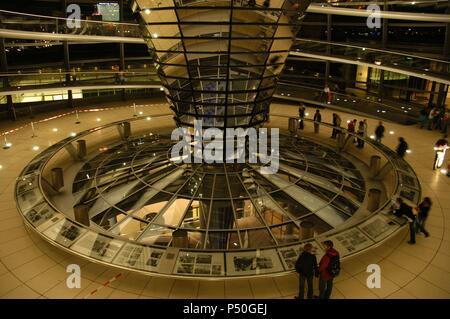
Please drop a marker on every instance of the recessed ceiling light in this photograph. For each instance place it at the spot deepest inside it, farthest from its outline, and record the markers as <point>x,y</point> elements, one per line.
<point>98,119</point>
<point>55,130</point>
<point>35,148</point>
<point>147,11</point>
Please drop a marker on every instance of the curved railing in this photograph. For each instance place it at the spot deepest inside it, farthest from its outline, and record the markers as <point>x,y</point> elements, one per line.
<point>426,68</point>
<point>364,4</point>
<point>405,114</point>
<point>54,226</point>
<point>30,83</point>
<point>24,22</point>
<point>328,8</point>
<point>23,80</point>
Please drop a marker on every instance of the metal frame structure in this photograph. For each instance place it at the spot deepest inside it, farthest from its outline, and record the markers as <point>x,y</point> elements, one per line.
<point>220,59</point>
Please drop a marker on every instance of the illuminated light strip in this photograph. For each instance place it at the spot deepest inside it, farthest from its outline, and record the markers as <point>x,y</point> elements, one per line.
<point>93,292</point>
<point>14,130</point>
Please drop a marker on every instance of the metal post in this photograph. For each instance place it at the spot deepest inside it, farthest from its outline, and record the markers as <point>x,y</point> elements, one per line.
<point>293,125</point>
<point>4,69</point>
<point>124,130</point>
<point>385,27</point>
<point>33,130</point>
<point>67,68</point>
<point>374,165</point>
<point>81,213</point>
<point>67,58</point>
<point>57,178</point>
<point>447,35</point>
<point>77,117</point>
<point>373,200</point>
<point>381,85</point>
<point>329,38</point>
<point>81,149</point>
<point>122,46</point>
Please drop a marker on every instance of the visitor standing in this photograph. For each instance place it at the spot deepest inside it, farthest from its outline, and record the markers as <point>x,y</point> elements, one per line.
<point>336,124</point>
<point>423,116</point>
<point>402,147</point>
<point>424,209</point>
<point>328,94</point>
<point>440,148</point>
<point>379,132</point>
<point>361,134</point>
<point>432,117</point>
<point>317,120</point>
<point>402,209</point>
<point>306,266</point>
<point>329,267</point>
<point>445,121</point>
<point>351,126</point>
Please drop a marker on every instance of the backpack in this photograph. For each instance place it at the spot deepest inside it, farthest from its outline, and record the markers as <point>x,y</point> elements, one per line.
<point>334,267</point>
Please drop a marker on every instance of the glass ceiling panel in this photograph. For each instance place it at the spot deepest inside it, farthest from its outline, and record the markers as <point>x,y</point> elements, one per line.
<point>256,238</point>
<point>174,213</point>
<point>196,215</point>
<point>156,235</point>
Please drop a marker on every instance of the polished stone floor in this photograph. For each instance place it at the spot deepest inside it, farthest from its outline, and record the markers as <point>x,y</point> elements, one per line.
<point>31,268</point>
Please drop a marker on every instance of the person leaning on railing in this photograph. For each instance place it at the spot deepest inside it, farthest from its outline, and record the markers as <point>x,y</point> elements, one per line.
<point>401,209</point>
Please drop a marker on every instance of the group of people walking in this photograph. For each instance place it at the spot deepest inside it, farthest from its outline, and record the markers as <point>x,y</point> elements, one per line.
<point>327,269</point>
<point>435,119</point>
<point>360,128</point>
<point>354,126</point>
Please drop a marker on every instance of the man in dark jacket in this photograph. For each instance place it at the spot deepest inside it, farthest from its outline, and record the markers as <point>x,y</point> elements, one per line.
<point>379,132</point>
<point>317,120</point>
<point>306,266</point>
<point>325,277</point>
<point>402,147</point>
<point>402,209</point>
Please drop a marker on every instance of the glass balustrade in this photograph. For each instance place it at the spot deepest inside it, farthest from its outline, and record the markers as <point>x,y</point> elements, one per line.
<point>37,23</point>
<point>420,65</point>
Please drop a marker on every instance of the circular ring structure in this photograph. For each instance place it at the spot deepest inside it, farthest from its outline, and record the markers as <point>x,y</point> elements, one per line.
<point>125,203</point>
